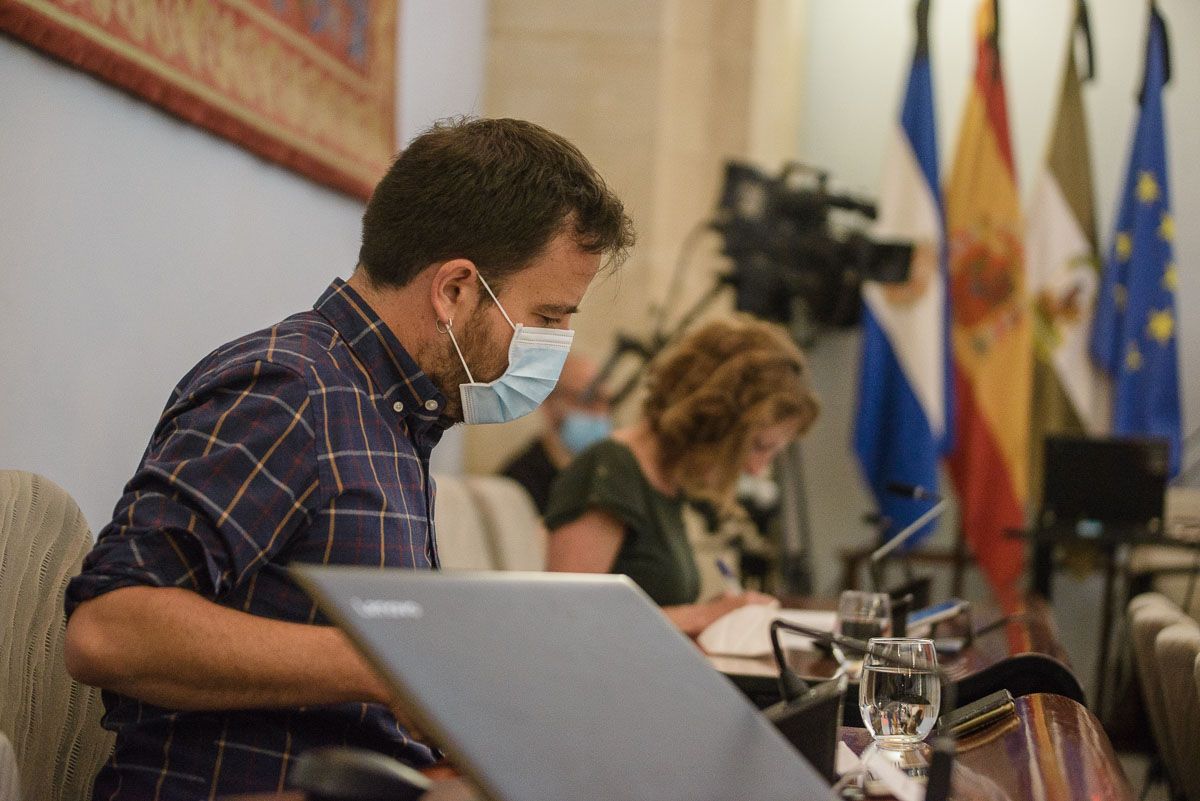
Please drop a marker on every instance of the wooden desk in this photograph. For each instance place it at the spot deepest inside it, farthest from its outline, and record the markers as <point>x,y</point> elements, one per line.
<point>1024,652</point>
<point>1052,749</point>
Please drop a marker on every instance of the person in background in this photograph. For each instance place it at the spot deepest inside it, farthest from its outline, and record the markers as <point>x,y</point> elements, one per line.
<point>309,441</point>
<point>725,399</point>
<point>576,415</point>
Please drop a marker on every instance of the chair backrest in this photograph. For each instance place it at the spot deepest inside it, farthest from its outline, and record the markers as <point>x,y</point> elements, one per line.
<point>1176,649</point>
<point>1196,674</point>
<point>517,534</point>
<point>462,538</point>
<point>1151,613</point>
<point>54,721</point>
<point>10,782</point>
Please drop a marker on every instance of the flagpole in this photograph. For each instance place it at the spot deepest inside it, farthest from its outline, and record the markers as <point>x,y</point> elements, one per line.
<point>996,69</point>
<point>1083,25</point>
<point>922,20</point>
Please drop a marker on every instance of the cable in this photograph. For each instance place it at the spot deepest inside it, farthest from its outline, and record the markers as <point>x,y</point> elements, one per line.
<point>681,263</point>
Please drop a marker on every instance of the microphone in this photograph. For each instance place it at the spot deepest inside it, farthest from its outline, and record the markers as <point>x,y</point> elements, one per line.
<point>906,533</point>
<point>791,686</point>
<point>937,787</point>
<point>914,491</point>
<point>809,718</point>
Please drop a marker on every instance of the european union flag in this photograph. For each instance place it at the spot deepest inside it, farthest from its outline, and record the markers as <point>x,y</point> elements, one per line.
<point>1134,336</point>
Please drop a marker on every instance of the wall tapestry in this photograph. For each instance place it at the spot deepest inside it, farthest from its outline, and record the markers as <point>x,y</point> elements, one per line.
<point>309,84</point>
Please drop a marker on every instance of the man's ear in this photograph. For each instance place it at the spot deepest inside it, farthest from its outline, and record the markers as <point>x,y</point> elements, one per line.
<point>454,290</point>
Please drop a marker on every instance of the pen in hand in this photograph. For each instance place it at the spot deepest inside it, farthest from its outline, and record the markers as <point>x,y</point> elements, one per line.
<point>732,585</point>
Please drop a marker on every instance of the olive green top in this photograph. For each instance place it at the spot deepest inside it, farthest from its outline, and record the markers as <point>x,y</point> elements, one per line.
<point>655,552</point>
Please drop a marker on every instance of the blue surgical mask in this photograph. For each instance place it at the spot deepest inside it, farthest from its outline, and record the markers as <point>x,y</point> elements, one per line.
<point>581,429</point>
<point>535,360</point>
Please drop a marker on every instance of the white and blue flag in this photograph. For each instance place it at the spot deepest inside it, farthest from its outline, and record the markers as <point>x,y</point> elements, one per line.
<point>905,397</point>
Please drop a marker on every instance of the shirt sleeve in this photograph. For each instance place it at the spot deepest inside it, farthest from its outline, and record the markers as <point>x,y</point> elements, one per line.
<point>228,477</point>
<point>605,477</point>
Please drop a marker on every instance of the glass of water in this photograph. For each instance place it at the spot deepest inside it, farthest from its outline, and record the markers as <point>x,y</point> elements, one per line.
<point>900,693</point>
<point>862,615</point>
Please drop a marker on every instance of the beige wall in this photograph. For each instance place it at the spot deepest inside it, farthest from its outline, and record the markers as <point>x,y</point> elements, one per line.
<point>658,94</point>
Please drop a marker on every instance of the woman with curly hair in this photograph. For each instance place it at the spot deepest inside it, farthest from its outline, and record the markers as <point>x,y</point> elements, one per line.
<point>726,399</point>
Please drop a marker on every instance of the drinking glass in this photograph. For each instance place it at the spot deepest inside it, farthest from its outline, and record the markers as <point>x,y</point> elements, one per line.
<point>900,693</point>
<point>862,615</point>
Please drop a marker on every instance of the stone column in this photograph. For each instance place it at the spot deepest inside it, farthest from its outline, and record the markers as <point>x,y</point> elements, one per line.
<point>658,94</point>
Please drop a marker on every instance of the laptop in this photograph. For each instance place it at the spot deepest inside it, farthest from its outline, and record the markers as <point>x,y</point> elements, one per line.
<point>551,686</point>
<point>1104,485</point>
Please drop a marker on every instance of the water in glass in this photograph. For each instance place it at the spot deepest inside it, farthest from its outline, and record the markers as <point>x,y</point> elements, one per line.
<point>900,702</point>
<point>864,628</point>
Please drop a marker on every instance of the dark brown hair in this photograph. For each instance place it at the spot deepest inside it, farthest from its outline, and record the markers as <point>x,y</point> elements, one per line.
<point>713,390</point>
<point>494,191</point>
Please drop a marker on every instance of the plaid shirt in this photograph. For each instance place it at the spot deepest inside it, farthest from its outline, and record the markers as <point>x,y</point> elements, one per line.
<point>309,442</point>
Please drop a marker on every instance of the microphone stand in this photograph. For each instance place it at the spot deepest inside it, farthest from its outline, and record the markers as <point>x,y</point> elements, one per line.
<point>808,718</point>
<point>905,534</point>
<point>937,787</point>
<point>646,351</point>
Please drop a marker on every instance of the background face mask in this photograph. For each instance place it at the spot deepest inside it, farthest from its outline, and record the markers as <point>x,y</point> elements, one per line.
<point>581,429</point>
<point>535,360</point>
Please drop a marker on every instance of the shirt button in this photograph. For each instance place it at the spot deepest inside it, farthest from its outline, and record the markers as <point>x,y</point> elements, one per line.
<point>431,405</point>
<point>397,406</point>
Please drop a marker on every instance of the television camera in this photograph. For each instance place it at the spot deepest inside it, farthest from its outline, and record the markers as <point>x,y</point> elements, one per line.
<point>790,261</point>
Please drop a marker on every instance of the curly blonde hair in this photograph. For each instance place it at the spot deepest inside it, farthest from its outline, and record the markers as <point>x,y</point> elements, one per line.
<point>713,390</point>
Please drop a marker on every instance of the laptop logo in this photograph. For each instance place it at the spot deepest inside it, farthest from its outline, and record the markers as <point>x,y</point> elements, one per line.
<point>386,609</point>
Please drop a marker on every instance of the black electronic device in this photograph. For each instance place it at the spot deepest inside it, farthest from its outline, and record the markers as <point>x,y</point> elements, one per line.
<point>811,721</point>
<point>1097,486</point>
<point>978,714</point>
<point>777,231</point>
<point>902,606</point>
<point>355,774</point>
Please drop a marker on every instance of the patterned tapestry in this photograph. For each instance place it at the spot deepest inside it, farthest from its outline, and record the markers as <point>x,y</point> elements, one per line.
<point>309,84</point>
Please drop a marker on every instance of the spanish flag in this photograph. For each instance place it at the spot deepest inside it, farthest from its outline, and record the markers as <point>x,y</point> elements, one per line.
<point>991,334</point>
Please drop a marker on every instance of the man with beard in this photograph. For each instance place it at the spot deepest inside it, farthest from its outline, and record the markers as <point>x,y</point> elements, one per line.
<point>309,441</point>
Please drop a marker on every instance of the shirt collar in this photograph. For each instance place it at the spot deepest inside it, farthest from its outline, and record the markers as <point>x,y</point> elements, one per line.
<point>397,377</point>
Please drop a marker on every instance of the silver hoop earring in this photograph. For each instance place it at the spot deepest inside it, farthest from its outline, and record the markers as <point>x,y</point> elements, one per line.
<point>438,325</point>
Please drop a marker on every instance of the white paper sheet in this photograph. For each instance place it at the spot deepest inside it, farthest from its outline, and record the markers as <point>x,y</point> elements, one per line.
<point>747,631</point>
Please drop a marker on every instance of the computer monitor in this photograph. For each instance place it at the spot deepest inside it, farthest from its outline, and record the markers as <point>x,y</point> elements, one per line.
<point>550,686</point>
<point>1097,486</point>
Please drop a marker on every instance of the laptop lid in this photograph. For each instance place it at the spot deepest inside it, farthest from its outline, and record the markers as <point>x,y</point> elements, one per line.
<point>1095,485</point>
<point>551,686</point>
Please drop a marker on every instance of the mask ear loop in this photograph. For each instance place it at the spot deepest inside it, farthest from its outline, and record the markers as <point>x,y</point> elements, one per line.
<point>496,301</point>
<point>448,325</point>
